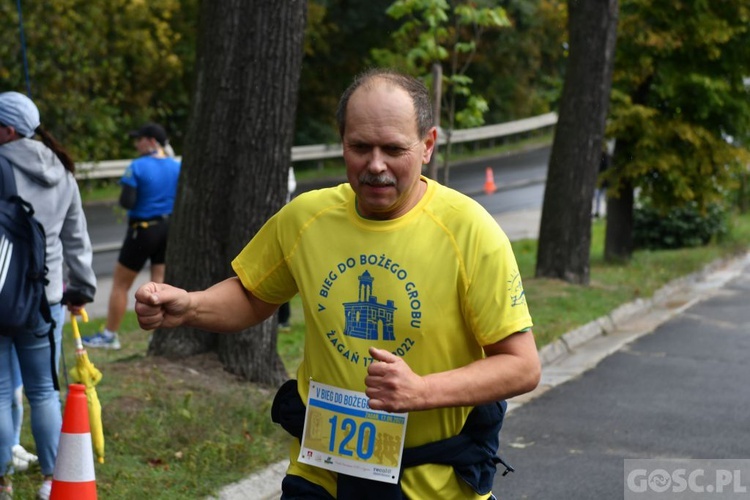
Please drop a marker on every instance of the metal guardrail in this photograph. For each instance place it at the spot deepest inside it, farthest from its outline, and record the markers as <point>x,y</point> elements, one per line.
<point>112,169</point>
<point>502,129</point>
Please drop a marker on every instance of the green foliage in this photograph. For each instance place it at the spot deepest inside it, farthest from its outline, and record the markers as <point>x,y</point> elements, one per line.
<point>678,95</point>
<point>473,114</point>
<point>338,39</point>
<point>98,68</point>
<point>680,227</point>
<point>436,31</point>
<point>520,70</point>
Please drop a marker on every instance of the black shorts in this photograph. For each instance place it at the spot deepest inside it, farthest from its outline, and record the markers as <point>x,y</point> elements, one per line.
<point>145,240</point>
<point>298,488</point>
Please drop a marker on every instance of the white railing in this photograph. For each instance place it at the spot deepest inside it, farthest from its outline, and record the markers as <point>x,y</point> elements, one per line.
<point>112,169</point>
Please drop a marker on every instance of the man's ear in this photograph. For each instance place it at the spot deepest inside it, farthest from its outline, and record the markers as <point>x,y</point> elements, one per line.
<point>430,142</point>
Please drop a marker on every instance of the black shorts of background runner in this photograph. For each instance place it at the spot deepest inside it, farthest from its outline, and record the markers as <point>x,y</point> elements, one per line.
<point>144,240</point>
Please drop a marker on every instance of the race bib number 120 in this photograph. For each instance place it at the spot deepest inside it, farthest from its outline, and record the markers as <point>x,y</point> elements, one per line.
<point>344,435</point>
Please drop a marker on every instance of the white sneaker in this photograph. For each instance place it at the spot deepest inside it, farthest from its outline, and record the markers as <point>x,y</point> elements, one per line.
<point>22,458</point>
<point>21,453</point>
<point>44,490</point>
<point>101,341</point>
<point>19,465</point>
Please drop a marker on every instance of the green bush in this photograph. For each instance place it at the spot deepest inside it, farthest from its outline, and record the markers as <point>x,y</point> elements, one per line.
<point>680,227</point>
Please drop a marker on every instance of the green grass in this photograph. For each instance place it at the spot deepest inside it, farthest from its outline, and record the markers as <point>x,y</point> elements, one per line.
<point>101,190</point>
<point>172,429</point>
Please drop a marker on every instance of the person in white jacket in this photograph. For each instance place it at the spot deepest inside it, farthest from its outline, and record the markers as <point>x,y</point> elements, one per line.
<point>44,175</point>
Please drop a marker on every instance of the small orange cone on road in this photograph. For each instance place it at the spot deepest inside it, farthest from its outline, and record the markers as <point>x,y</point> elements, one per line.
<point>489,181</point>
<point>74,477</point>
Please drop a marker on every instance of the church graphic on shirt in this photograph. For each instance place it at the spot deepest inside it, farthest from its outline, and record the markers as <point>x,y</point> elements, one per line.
<point>366,319</point>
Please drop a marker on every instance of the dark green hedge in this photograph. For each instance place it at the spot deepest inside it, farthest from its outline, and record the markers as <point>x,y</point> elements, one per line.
<point>679,227</point>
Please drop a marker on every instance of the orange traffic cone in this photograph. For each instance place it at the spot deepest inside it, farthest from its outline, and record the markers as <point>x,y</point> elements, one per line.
<point>74,477</point>
<point>489,181</point>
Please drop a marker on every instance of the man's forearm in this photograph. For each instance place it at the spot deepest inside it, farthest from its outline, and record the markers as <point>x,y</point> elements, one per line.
<point>226,308</point>
<point>499,376</point>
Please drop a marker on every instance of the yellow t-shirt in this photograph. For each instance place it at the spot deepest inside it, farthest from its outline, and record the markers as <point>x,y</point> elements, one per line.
<point>432,286</point>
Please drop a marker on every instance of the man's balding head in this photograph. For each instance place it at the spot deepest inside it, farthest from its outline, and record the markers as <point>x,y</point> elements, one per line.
<point>420,96</point>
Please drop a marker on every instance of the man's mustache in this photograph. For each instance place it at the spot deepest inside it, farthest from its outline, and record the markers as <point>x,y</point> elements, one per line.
<point>377,180</point>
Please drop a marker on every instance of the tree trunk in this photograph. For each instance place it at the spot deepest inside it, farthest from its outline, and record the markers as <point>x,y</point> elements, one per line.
<point>565,230</point>
<point>618,240</point>
<point>236,161</point>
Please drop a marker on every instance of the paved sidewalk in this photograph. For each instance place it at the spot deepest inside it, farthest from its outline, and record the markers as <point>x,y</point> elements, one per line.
<point>520,225</point>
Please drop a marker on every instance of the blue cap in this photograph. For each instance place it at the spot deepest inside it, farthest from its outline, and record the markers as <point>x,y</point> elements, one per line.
<point>19,112</point>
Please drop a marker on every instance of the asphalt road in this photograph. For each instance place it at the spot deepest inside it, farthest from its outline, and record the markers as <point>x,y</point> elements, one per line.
<point>679,393</point>
<point>519,179</point>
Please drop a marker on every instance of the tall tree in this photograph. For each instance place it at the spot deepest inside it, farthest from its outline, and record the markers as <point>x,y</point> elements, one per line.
<point>678,97</point>
<point>236,163</point>
<point>565,231</point>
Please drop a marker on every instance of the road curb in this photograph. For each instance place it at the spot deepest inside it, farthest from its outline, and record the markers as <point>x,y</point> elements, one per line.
<point>604,325</point>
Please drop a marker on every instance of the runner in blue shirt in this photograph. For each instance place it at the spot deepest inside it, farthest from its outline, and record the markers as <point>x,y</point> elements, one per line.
<point>149,186</point>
